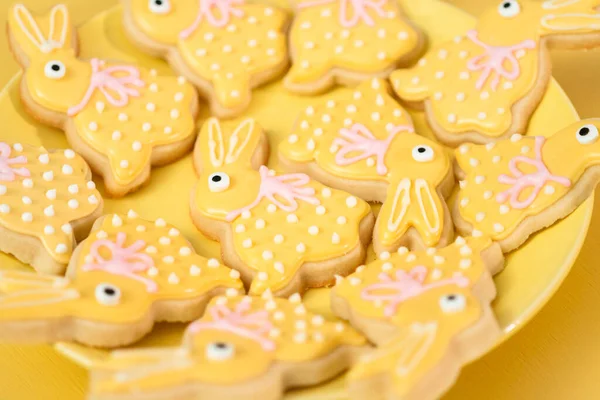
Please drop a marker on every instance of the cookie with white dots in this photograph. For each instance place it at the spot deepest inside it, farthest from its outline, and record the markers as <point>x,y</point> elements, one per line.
<point>242,345</point>
<point>226,48</point>
<point>128,274</point>
<point>47,203</point>
<point>428,312</point>
<point>283,232</point>
<point>121,118</point>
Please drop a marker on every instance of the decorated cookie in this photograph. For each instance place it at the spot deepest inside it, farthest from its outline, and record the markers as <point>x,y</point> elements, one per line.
<point>362,141</point>
<point>486,84</point>
<point>515,187</point>
<point>283,232</point>
<point>126,275</point>
<point>47,202</point>
<point>347,41</point>
<point>121,118</point>
<point>241,345</point>
<point>225,47</point>
<point>429,313</point>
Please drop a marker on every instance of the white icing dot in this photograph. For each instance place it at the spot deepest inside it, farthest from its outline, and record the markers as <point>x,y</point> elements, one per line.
<point>402,35</point>
<point>93,126</point>
<point>116,135</point>
<point>479,216</point>
<point>320,210</point>
<point>51,194</point>
<point>411,258</point>
<point>439,75</point>
<point>351,201</point>
<point>239,228</point>
<point>464,263</point>
<point>498,227</point>
<point>335,238</point>
<point>463,54</point>
<point>504,209</point>
<point>123,117</point>
<point>452,118</point>
<point>292,139</point>
<point>479,179</point>
<point>263,276</point>
<point>234,274</point>
<point>482,115</point>
<point>549,189</point>
<point>213,263</point>
<point>438,95</point>
<point>500,111</point>
<point>140,228</point>
<point>326,118</point>
<point>490,146</point>
<point>267,255</point>
<point>116,221</point>
<point>61,248</point>
<point>484,95</point>
<point>44,158</point>
<point>487,194</point>
<point>260,223</point>
<point>313,230</point>
<point>4,208</point>
<point>153,87</point>
<point>2,190</point>
<point>507,85</point>
<point>174,113</point>
<point>496,159</point>
<point>173,278</point>
<point>26,200</point>
<point>301,248</point>
<point>278,239</point>
<point>516,137</point>
<point>169,259</point>
<point>48,230</point>
<point>292,218</point>
<point>438,259</point>
<point>246,214</point>
<point>460,96</point>
<point>464,75</point>
<point>341,220</point>
<point>387,266</point>
<point>74,204</point>
<point>415,80</point>
<point>91,185</point>
<point>48,176</point>
<point>310,145</point>
<point>375,116</point>
<point>69,154</point>
<point>124,164</point>
<point>271,207</point>
<point>49,211</point>
<point>464,201</point>
<point>247,243</point>
<point>27,217</point>
<point>473,162</point>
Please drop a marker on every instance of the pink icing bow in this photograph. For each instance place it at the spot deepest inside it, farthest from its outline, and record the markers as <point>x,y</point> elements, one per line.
<point>107,81</point>
<point>535,180</point>
<point>359,139</point>
<point>287,187</point>
<point>254,326</point>
<point>8,173</point>
<point>493,59</point>
<point>123,261</point>
<point>361,10</point>
<point>406,286</point>
<point>207,12</point>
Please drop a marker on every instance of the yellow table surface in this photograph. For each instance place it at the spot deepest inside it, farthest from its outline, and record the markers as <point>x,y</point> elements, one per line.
<point>556,356</point>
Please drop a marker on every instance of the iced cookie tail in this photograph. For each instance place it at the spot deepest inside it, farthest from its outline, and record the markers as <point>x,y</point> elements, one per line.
<point>409,86</point>
<point>560,17</point>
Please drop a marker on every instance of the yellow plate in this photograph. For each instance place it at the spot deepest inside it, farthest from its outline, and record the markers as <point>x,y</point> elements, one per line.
<point>532,273</point>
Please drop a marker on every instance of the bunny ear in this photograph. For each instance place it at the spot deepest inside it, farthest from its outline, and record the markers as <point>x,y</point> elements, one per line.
<point>240,147</point>
<point>570,16</point>
<point>209,152</point>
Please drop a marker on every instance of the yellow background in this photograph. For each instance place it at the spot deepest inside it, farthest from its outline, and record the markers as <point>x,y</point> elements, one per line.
<point>554,357</point>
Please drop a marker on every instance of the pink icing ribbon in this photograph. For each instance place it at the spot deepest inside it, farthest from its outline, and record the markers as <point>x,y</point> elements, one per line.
<point>123,261</point>
<point>359,139</point>
<point>107,81</point>
<point>535,180</point>
<point>226,9</point>
<point>405,286</point>
<point>252,325</point>
<point>493,59</point>
<point>361,10</point>
<point>8,173</point>
<point>287,187</point>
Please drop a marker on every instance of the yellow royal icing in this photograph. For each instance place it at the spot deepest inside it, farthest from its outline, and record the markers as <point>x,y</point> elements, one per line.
<point>229,44</point>
<point>473,82</point>
<point>275,229</point>
<point>331,37</point>
<point>125,267</point>
<point>42,192</point>
<point>364,135</point>
<point>236,341</point>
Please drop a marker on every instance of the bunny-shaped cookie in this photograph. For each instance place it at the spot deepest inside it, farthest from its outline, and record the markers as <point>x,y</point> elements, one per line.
<point>515,187</point>
<point>242,346</point>
<point>284,233</point>
<point>429,313</point>
<point>485,85</point>
<point>121,118</point>
<point>347,41</point>
<point>126,275</point>
<point>225,47</point>
<point>362,141</point>
<point>47,202</point>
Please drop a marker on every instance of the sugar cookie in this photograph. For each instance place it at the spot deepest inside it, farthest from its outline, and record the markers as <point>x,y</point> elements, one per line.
<point>225,47</point>
<point>242,345</point>
<point>362,141</point>
<point>126,275</point>
<point>121,118</point>
<point>282,232</point>
<point>47,202</point>
<point>348,41</point>
<point>515,187</point>
<point>485,85</point>
<point>429,312</point>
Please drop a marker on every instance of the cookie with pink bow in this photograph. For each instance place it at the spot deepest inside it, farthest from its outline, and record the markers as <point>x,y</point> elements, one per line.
<point>128,274</point>
<point>348,41</point>
<point>515,187</point>
<point>226,48</point>
<point>485,85</point>
<point>121,118</point>
<point>428,313</point>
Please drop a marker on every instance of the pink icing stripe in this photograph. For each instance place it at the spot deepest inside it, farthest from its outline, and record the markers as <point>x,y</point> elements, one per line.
<point>360,7</point>
<point>254,326</point>
<point>106,81</point>
<point>493,59</point>
<point>405,286</point>
<point>123,261</point>
<point>8,173</point>
<point>226,8</point>
<point>535,180</point>
<point>359,139</point>
<point>287,187</point>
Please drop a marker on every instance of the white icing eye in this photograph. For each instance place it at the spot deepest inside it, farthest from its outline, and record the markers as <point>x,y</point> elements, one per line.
<point>55,69</point>
<point>218,182</point>
<point>219,351</point>
<point>587,134</point>
<point>107,294</point>
<point>422,153</point>
<point>509,8</point>
<point>452,303</point>
<point>159,6</point>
